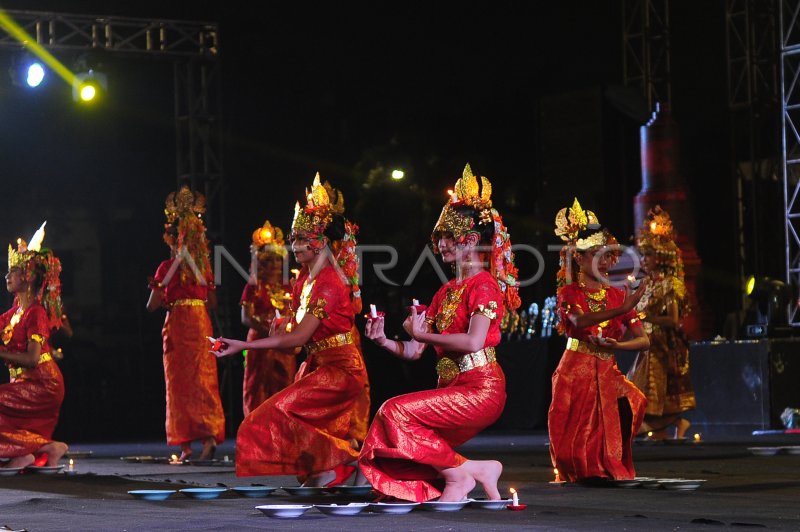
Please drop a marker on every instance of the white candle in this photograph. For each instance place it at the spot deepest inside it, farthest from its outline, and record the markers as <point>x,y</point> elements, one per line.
<point>373,311</point>
<point>415,302</point>
<point>277,314</point>
<point>514,497</point>
<point>71,465</point>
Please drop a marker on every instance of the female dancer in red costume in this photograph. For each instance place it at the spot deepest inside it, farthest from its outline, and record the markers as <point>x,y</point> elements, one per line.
<point>269,371</point>
<point>408,453</point>
<point>595,411</point>
<point>31,401</point>
<point>306,429</point>
<point>184,284</point>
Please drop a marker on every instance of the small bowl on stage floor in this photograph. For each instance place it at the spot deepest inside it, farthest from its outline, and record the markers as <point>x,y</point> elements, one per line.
<point>764,451</point>
<point>203,493</point>
<point>10,471</point>
<point>283,511</point>
<point>444,506</point>
<point>354,508</point>
<point>356,491</point>
<point>681,484</point>
<point>44,470</point>
<point>253,491</point>
<point>152,495</point>
<point>395,508</point>
<point>304,491</point>
<point>487,504</point>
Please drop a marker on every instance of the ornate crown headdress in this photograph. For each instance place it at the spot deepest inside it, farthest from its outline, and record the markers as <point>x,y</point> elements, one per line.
<point>322,202</point>
<point>270,239</point>
<point>470,191</point>
<point>29,255</point>
<point>572,221</point>
<point>657,232</point>
<point>184,203</point>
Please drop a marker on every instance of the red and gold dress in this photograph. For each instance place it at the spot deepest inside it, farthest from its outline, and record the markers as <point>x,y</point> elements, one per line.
<point>266,371</point>
<point>306,428</point>
<point>194,408</point>
<point>595,412</point>
<point>412,436</point>
<point>31,401</point>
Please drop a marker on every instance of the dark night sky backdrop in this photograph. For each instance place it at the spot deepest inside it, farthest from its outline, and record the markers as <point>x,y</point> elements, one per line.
<point>336,89</point>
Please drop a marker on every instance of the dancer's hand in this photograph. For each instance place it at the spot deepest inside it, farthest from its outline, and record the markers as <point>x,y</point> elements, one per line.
<point>223,347</point>
<point>603,341</point>
<point>631,299</point>
<point>418,325</point>
<point>374,330</point>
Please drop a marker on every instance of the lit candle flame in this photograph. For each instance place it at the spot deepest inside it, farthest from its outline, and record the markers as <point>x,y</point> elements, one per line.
<point>71,464</point>
<point>649,434</point>
<point>697,437</point>
<point>174,458</point>
<point>514,497</point>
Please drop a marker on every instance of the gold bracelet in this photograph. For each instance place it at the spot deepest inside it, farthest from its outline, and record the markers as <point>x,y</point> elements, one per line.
<point>402,348</point>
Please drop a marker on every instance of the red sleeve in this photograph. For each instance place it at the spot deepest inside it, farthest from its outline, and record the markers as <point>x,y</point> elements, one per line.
<point>325,296</point>
<point>247,294</point>
<point>37,324</point>
<point>631,319</point>
<point>161,272</point>
<point>567,303</point>
<point>485,297</point>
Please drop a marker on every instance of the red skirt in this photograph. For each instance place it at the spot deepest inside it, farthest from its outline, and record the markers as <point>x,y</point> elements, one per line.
<point>412,436</point>
<point>194,409</point>
<point>306,427</point>
<point>29,409</point>
<point>590,437</point>
<point>266,372</point>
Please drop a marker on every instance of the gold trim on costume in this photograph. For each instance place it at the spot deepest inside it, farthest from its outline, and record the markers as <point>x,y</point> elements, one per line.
<point>579,346</point>
<point>15,372</point>
<point>337,340</point>
<point>448,368</point>
<point>447,312</point>
<point>187,303</point>
<point>38,338</point>
<point>490,310</point>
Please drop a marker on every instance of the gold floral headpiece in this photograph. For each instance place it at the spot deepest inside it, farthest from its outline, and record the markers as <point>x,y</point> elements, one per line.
<point>269,238</point>
<point>184,203</point>
<point>572,221</point>
<point>658,233</point>
<point>25,251</point>
<point>322,202</point>
<point>471,191</point>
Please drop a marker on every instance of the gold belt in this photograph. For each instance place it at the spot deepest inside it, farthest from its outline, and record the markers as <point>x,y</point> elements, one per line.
<point>16,371</point>
<point>449,368</point>
<point>579,346</point>
<point>188,303</point>
<point>337,340</point>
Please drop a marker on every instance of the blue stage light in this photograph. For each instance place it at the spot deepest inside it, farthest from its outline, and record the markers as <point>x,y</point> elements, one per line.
<point>35,75</point>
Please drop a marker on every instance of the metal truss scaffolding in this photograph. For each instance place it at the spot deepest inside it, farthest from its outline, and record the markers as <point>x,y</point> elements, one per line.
<point>193,47</point>
<point>751,46</point>
<point>646,57</point>
<point>790,119</point>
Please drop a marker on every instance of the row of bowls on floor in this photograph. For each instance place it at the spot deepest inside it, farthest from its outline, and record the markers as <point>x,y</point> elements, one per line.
<point>286,511</point>
<point>251,491</point>
<point>772,451</point>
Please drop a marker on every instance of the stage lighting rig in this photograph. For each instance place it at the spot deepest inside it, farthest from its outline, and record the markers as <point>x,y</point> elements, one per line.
<point>27,71</point>
<point>90,83</point>
<point>768,314</point>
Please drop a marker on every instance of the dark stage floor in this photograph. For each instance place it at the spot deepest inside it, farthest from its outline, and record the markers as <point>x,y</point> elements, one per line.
<point>741,490</point>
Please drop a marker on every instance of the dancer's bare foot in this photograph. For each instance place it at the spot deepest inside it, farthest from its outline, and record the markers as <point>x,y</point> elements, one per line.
<point>186,451</point>
<point>681,426</point>
<point>55,451</point>
<point>458,483</point>
<point>21,461</point>
<point>209,449</point>
<point>487,473</point>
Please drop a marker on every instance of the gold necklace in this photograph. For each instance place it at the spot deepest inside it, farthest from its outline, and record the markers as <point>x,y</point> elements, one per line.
<point>595,298</point>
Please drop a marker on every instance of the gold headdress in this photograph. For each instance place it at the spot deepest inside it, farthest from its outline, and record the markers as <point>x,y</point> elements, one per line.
<point>572,221</point>
<point>30,256</point>
<point>184,209</point>
<point>184,203</point>
<point>322,202</point>
<point>470,191</point>
<point>270,239</point>
<point>658,233</point>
